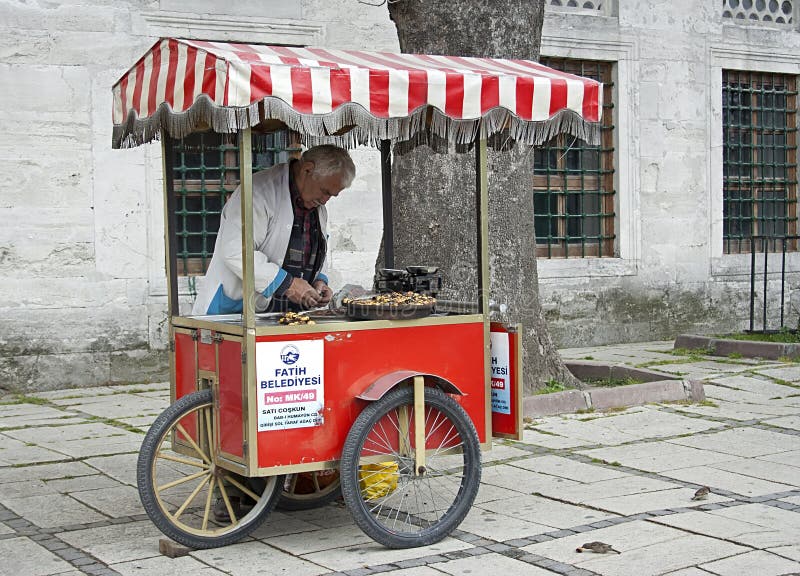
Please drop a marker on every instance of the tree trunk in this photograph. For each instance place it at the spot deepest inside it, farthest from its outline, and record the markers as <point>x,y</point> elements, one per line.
<point>434,207</point>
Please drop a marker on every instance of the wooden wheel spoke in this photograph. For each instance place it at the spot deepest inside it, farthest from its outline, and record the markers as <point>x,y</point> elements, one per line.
<point>189,499</point>
<point>243,488</point>
<point>194,445</point>
<point>180,460</point>
<point>189,478</point>
<point>228,505</point>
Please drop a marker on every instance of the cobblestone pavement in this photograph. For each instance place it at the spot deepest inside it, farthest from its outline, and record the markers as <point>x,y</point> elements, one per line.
<point>68,502</point>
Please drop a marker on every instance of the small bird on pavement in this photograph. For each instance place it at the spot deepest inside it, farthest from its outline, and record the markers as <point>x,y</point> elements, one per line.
<point>597,548</point>
<point>702,493</point>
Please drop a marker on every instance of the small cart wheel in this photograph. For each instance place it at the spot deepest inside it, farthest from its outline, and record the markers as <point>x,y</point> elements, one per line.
<point>393,503</point>
<point>186,495</point>
<point>309,490</point>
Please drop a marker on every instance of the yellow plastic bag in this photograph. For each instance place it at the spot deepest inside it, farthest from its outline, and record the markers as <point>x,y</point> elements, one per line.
<point>378,480</point>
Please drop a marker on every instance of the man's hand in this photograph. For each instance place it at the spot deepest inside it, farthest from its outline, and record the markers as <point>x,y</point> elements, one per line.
<point>324,291</point>
<point>302,293</point>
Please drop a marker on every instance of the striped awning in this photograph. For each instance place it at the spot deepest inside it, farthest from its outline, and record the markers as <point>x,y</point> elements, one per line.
<point>347,97</point>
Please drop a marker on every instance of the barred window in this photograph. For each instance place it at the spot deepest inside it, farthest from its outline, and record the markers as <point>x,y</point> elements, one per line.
<point>759,134</point>
<point>573,199</point>
<point>205,173</point>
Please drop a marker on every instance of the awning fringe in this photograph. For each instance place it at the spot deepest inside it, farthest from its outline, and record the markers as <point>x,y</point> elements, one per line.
<point>349,125</point>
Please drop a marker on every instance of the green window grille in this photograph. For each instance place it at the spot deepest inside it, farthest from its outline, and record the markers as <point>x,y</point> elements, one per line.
<point>205,174</point>
<point>759,166</point>
<point>574,196</point>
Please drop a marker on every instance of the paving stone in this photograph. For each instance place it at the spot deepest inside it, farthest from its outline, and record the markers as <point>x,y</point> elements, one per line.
<point>791,551</point>
<point>688,572</point>
<point>757,562</point>
<point>550,440</point>
<point>488,492</point>
<point>45,472</point>
<point>791,422</point>
<point>15,490</point>
<point>7,530</point>
<point>742,442</point>
<point>496,526</point>
<point>326,517</point>
<point>736,483</point>
<point>82,483</point>
<point>525,481</point>
<point>658,456</point>
<point>372,554</point>
<point>791,458</point>
<point>650,501</point>
<point>121,467</point>
<point>567,468</point>
<point>21,556</point>
<point>544,511</point>
<point>29,415</point>
<point>116,501</point>
<point>649,422</point>
<point>752,525</point>
<point>280,524</point>
<point>490,564</point>
<point>502,452</point>
<point>789,373</point>
<point>162,566</point>
<point>116,543</point>
<point>764,470</point>
<point>14,452</point>
<point>684,552</point>
<point>416,571</point>
<point>123,405</point>
<point>587,433</point>
<point>318,540</point>
<point>75,395</point>
<point>624,537</point>
<point>52,510</point>
<point>628,485</point>
<point>729,410</point>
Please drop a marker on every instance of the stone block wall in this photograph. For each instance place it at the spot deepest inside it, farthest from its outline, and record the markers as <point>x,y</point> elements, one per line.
<point>82,289</point>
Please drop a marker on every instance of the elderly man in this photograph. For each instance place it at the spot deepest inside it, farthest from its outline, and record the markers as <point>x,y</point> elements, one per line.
<point>289,234</point>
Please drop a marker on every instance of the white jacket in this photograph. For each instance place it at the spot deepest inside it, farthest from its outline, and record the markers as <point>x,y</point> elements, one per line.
<point>273,216</point>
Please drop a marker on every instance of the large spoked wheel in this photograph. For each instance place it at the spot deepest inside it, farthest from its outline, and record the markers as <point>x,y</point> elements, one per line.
<point>309,490</point>
<point>187,496</point>
<point>393,503</point>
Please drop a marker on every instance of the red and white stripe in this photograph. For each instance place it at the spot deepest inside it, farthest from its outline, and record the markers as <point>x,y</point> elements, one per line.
<point>319,80</point>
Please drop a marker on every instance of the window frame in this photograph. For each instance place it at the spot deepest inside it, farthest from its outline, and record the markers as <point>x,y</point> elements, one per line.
<point>557,184</point>
<point>750,179</point>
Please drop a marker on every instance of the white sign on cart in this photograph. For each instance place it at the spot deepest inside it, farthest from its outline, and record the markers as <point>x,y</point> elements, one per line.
<point>291,384</point>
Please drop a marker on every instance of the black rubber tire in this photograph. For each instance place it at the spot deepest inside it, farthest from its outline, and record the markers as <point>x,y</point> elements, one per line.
<point>154,461</point>
<point>417,528</point>
<point>292,501</point>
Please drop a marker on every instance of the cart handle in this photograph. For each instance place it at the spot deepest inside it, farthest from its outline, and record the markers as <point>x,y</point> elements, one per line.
<point>382,385</point>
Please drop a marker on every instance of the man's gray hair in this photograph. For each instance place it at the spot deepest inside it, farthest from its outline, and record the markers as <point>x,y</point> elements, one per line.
<point>329,160</point>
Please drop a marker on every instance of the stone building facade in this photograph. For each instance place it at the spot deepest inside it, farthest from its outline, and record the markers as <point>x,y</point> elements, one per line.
<point>81,248</point>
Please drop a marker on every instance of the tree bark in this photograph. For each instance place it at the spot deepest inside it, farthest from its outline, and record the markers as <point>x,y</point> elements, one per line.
<point>434,194</point>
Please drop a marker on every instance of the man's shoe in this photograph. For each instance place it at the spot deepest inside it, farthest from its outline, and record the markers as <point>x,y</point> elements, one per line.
<point>239,509</point>
<point>221,511</point>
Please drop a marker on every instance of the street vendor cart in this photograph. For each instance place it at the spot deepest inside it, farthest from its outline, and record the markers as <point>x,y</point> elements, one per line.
<point>402,402</point>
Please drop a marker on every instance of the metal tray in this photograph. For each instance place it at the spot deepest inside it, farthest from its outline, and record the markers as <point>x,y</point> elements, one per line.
<point>357,311</point>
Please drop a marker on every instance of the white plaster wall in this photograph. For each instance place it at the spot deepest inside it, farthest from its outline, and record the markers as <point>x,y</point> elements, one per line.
<point>82,289</point>
<point>671,275</point>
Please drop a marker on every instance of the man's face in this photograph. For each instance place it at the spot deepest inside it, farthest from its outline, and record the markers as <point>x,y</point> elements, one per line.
<point>315,190</point>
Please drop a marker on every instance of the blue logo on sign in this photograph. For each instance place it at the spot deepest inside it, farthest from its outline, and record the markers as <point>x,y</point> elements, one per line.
<point>290,354</point>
